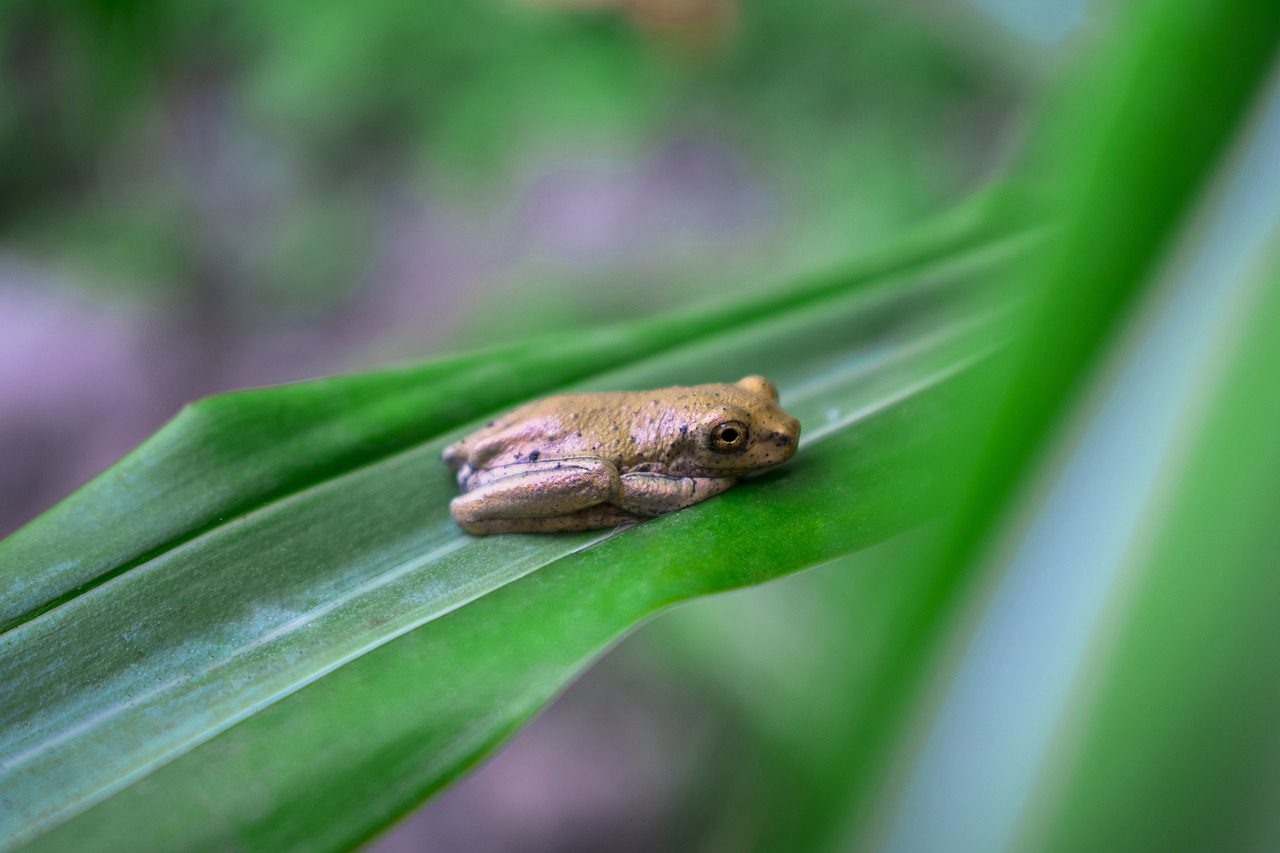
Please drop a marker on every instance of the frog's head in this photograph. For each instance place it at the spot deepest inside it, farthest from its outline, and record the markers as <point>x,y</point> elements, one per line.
<point>741,428</point>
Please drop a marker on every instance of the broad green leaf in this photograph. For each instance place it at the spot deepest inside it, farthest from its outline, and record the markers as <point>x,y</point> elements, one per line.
<point>1125,654</point>
<point>294,538</point>
<point>1127,191</point>
<point>229,455</point>
<point>1044,552</point>
<point>1174,741</point>
<point>1124,158</point>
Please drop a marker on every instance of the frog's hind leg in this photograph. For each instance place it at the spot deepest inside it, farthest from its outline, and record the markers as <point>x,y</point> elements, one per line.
<point>535,496</point>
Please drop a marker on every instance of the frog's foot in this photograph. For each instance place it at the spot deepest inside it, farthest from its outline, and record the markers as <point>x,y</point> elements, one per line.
<point>591,518</point>
<point>648,494</point>
<point>533,493</point>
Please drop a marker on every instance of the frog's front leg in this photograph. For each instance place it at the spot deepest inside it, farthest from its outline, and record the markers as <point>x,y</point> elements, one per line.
<point>535,493</point>
<point>646,493</point>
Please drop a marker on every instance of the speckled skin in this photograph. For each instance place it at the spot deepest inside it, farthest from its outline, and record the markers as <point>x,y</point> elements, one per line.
<point>582,461</point>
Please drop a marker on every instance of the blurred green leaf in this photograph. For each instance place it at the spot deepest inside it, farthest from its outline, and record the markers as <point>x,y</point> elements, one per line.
<point>1124,155</point>
<point>1134,202</point>
<point>1178,744</point>
<point>264,556</point>
<point>1016,595</point>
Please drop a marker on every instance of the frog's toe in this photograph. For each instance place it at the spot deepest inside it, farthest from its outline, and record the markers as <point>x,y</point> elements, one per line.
<point>455,454</point>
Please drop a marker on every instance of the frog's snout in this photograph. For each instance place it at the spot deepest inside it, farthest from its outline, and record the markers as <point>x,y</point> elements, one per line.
<point>786,436</point>
<point>793,429</point>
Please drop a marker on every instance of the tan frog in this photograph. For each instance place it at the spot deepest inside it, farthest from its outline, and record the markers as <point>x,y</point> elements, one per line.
<point>582,461</point>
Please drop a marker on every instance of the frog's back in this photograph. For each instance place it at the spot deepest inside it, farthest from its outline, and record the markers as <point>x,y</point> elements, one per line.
<point>605,424</point>
<point>652,430</point>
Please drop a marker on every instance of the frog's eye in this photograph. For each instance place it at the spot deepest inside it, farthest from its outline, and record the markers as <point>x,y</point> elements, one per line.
<point>729,437</point>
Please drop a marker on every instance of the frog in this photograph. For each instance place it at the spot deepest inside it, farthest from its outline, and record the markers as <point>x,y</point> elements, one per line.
<point>584,461</point>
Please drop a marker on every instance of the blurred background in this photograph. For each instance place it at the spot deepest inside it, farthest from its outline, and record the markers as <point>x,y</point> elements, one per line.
<point>204,196</point>
<point>214,195</point>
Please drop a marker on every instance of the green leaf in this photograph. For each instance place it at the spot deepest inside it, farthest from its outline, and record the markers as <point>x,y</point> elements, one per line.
<point>194,635</point>
<point>1202,587</point>
<point>229,455</point>
<point>1079,463</point>
<point>1125,654</point>
<point>1169,745</point>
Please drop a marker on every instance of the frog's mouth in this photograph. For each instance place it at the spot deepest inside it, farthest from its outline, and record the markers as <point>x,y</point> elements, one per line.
<point>774,449</point>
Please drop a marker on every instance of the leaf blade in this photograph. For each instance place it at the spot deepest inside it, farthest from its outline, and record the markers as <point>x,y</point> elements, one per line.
<point>242,615</point>
<point>209,464</point>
